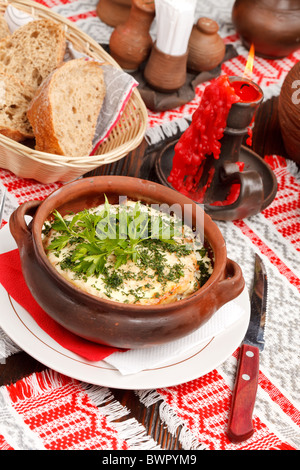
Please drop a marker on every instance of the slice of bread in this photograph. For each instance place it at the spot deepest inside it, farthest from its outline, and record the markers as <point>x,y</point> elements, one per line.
<point>65,109</point>
<point>14,101</point>
<point>4,29</point>
<point>33,51</point>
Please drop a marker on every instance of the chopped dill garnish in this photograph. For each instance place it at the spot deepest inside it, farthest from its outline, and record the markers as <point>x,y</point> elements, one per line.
<point>96,236</point>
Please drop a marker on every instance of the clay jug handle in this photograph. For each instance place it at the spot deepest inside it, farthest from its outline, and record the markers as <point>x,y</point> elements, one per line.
<point>17,223</point>
<point>232,284</point>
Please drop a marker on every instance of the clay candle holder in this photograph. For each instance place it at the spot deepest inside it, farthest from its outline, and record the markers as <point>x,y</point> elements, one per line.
<point>164,72</point>
<point>209,164</point>
<point>226,171</point>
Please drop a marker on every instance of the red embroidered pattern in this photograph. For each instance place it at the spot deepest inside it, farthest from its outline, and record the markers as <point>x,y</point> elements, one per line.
<point>63,416</point>
<point>203,405</point>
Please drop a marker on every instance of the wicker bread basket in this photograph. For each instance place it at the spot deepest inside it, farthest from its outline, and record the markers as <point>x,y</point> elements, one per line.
<point>44,167</point>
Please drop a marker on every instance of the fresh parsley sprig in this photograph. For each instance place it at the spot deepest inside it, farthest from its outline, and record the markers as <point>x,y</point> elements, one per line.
<point>97,235</point>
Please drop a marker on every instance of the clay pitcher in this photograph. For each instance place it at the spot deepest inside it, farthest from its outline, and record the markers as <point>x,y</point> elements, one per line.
<point>273,26</point>
<point>131,42</point>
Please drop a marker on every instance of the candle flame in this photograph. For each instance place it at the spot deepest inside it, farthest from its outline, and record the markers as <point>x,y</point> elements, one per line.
<point>249,64</point>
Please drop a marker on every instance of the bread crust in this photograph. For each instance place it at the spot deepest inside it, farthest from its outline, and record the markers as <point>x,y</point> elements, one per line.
<point>40,112</point>
<point>14,134</point>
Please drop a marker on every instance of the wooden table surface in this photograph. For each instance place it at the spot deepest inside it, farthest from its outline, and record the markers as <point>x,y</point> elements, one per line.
<point>267,140</point>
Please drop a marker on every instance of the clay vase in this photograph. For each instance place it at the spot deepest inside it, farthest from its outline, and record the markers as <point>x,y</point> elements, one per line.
<point>206,49</point>
<point>130,42</point>
<point>272,26</point>
<point>289,113</point>
<point>113,12</point>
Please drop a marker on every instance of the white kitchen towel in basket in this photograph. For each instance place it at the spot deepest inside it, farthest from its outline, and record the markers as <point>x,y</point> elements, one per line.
<point>136,360</point>
<point>119,84</point>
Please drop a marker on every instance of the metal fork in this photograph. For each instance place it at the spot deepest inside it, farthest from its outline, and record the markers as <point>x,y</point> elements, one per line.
<point>2,204</point>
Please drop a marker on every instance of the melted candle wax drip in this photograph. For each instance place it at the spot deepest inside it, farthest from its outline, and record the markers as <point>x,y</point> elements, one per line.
<point>202,138</point>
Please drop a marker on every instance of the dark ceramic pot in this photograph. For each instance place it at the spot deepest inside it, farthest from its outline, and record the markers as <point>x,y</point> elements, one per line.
<point>289,113</point>
<point>273,26</point>
<point>107,322</point>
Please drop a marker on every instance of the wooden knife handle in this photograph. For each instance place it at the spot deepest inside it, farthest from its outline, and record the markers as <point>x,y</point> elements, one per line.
<point>240,426</point>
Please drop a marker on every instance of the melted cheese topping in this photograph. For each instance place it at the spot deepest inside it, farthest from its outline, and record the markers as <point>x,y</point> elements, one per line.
<point>158,276</point>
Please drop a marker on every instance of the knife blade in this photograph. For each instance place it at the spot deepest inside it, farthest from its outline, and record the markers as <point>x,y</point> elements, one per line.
<point>240,424</point>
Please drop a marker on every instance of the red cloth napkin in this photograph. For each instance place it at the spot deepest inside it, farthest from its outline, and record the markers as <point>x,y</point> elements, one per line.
<point>12,279</point>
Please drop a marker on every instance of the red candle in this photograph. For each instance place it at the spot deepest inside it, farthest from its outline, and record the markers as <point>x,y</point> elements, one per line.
<point>247,92</point>
<point>202,138</point>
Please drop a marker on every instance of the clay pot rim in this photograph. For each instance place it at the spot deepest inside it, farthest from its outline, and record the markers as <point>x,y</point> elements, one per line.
<point>210,229</point>
<point>267,5</point>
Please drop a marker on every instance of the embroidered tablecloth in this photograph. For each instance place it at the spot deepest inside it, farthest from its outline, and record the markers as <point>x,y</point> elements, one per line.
<point>48,410</point>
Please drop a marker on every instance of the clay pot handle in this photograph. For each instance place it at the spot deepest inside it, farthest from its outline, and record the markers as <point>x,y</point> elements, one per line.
<point>17,224</point>
<point>251,195</point>
<point>232,285</point>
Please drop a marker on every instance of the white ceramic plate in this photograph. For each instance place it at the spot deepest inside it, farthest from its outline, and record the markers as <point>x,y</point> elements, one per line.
<point>22,329</point>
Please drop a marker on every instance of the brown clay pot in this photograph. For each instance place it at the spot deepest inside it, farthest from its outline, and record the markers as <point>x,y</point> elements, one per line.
<point>107,322</point>
<point>272,26</point>
<point>131,42</point>
<point>113,12</point>
<point>289,113</point>
<point>206,48</point>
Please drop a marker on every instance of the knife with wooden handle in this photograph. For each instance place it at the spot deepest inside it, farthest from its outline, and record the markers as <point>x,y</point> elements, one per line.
<point>240,425</point>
